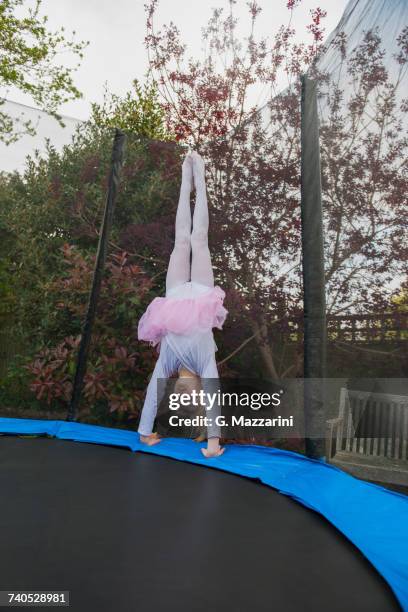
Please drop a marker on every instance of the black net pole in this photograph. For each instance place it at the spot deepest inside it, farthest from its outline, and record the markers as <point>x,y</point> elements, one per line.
<point>116,165</point>
<point>313,273</point>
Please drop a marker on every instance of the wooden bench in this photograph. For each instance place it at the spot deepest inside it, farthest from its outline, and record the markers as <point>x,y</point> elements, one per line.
<point>369,438</point>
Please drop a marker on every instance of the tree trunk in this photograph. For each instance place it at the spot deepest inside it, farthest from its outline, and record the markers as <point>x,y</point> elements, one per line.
<point>260,328</point>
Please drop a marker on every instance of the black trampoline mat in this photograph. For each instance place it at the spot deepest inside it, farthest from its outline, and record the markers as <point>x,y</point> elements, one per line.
<point>127,531</point>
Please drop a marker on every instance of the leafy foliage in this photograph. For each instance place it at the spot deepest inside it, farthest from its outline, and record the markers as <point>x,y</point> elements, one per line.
<point>50,218</point>
<point>27,61</point>
<point>116,375</point>
<point>139,111</point>
<point>253,165</point>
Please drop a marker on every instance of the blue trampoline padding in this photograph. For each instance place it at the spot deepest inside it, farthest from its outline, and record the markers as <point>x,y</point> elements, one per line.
<point>373,518</point>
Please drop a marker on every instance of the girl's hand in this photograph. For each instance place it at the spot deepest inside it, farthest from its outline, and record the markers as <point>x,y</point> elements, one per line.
<point>151,439</point>
<point>216,453</point>
<point>213,448</point>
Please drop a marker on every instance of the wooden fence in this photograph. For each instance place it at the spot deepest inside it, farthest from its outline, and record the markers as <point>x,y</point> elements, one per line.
<point>359,329</point>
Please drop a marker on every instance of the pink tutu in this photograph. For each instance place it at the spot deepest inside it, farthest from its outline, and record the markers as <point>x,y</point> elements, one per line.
<point>182,315</point>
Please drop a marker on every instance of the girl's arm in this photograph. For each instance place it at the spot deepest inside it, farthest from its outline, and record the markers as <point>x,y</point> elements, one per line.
<point>154,395</point>
<point>210,384</point>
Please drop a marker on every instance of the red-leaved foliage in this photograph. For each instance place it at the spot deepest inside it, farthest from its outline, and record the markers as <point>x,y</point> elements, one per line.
<point>118,364</point>
<point>253,165</point>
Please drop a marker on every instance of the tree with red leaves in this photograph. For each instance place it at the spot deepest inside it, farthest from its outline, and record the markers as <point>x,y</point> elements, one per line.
<point>253,176</point>
<point>253,167</point>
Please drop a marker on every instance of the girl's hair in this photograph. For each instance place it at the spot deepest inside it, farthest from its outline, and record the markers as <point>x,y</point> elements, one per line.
<point>187,384</point>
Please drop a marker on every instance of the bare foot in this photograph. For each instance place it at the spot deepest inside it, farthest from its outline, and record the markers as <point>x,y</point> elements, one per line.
<point>212,453</point>
<point>150,440</point>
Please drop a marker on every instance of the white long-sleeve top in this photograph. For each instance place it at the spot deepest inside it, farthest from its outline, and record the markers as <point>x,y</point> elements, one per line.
<point>195,352</point>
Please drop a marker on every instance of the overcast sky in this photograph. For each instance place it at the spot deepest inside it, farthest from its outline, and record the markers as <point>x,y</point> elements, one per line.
<point>116,31</point>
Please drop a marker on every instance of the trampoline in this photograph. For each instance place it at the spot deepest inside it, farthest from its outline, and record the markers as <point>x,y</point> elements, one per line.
<point>134,531</point>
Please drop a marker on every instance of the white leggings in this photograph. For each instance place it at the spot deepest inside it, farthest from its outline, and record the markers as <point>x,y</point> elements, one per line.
<point>187,241</point>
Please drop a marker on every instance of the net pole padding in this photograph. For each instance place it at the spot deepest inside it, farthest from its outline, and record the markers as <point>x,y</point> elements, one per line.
<point>113,185</point>
<point>315,329</point>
